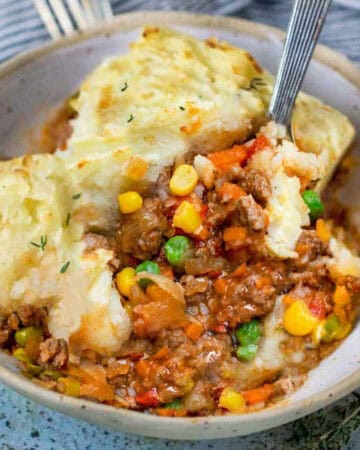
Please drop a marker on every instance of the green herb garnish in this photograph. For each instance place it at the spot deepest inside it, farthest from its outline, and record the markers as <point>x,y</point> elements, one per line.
<point>76,196</point>
<point>42,245</point>
<point>255,83</point>
<point>65,267</point>
<point>68,217</point>
<point>182,108</point>
<point>131,118</point>
<point>125,87</point>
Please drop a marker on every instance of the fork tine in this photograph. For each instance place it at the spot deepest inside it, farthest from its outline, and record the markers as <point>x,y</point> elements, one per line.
<point>95,6</point>
<point>89,11</point>
<point>48,19</point>
<point>63,16</point>
<point>78,13</point>
<point>107,10</point>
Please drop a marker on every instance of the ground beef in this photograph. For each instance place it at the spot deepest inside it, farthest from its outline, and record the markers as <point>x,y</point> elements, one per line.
<point>285,386</point>
<point>4,333</point>
<point>242,301</point>
<point>202,266</point>
<point>140,233</point>
<point>117,369</point>
<point>251,294</point>
<point>171,338</point>
<point>315,275</point>
<point>352,284</point>
<point>218,213</point>
<point>30,315</point>
<point>13,322</point>
<point>94,241</point>
<point>213,246</point>
<point>53,353</point>
<point>199,398</point>
<point>309,248</point>
<point>252,182</point>
<point>278,271</point>
<point>160,189</point>
<point>250,213</point>
<point>193,286</point>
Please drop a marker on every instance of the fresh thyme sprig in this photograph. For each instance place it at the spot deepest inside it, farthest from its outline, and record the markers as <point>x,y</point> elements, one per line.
<point>320,431</point>
<point>43,242</point>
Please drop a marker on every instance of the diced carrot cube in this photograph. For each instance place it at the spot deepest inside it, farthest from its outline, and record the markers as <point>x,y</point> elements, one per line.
<point>220,286</point>
<point>234,234</point>
<point>194,330</point>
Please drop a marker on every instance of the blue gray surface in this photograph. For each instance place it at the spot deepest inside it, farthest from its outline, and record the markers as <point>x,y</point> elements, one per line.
<point>25,425</point>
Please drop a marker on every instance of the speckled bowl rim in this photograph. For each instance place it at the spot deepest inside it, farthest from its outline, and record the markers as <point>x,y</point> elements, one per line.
<point>121,418</point>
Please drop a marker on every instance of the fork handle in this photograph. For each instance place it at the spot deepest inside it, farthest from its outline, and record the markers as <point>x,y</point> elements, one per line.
<point>307,18</point>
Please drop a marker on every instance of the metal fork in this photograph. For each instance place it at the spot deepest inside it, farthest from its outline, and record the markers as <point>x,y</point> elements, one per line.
<point>64,17</point>
<point>307,18</point>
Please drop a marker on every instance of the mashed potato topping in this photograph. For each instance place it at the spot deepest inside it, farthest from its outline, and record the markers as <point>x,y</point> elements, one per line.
<point>168,95</point>
<point>42,256</point>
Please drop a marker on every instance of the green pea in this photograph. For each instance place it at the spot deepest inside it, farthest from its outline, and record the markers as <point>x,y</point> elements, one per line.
<point>34,369</point>
<point>331,327</point>
<point>175,404</point>
<point>147,266</point>
<point>247,352</point>
<point>21,355</point>
<point>53,374</point>
<point>177,249</point>
<point>22,336</point>
<point>249,333</point>
<point>313,202</point>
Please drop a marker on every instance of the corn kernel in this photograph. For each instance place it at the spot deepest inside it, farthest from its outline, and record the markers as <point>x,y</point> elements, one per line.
<point>187,218</point>
<point>232,400</point>
<point>318,333</point>
<point>298,320</point>
<point>21,355</point>
<point>130,202</point>
<point>124,280</point>
<point>183,180</point>
<point>341,296</point>
<point>322,230</point>
<point>69,386</point>
<point>136,168</point>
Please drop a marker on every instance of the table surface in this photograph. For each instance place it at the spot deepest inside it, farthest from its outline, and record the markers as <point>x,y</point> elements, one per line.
<point>26,425</point>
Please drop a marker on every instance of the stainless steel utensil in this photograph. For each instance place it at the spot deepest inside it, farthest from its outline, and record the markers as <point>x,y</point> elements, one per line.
<point>306,21</point>
<point>64,17</point>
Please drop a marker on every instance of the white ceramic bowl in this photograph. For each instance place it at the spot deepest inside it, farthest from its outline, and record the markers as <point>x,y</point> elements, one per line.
<point>32,84</point>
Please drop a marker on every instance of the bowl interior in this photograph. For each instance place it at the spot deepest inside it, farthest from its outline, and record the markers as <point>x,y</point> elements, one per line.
<point>30,89</point>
